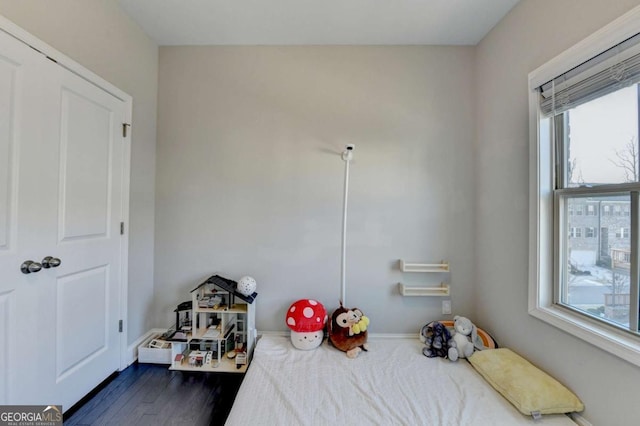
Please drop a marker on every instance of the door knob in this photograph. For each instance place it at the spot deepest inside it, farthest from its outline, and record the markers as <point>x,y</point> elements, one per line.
<point>50,262</point>
<point>29,266</point>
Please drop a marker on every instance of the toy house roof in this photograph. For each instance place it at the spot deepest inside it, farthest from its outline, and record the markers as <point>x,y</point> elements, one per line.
<point>227,285</point>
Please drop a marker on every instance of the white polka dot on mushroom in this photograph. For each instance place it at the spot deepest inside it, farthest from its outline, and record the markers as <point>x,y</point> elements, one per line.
<point>307,312</point>
<point>293,309</point>
<point>312,302</point>
<point>291,321</point>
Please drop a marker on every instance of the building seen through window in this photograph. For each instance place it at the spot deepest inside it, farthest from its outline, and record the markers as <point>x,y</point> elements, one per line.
<point>600,146</point>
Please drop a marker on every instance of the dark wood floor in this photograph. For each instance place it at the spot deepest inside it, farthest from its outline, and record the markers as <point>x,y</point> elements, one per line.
<point>147,394</point>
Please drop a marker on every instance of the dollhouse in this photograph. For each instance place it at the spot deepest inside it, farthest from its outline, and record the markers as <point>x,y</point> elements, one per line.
<point>222,329</point>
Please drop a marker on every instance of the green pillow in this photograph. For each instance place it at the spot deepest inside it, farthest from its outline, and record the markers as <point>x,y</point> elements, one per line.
<point>529,389</point>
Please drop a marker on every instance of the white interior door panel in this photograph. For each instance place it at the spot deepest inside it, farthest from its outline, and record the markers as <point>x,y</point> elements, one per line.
<point>61,198</point>
<point>85,172</point>
<point>20,89</point>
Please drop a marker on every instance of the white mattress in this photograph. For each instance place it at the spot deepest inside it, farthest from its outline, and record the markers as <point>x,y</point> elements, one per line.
<point>392,384</point>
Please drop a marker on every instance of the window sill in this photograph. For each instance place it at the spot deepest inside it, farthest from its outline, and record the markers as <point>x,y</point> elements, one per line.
<point>617,342</point>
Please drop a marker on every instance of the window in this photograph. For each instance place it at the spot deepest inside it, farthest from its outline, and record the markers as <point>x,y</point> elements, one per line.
<point>597,142</point>
<point>584,128</point>
<point>622,233</point>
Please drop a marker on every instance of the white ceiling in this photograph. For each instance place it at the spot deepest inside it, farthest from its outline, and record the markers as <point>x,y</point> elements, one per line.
<point>311,22</point>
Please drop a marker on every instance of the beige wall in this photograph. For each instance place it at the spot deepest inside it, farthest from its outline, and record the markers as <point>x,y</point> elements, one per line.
<point>531,34</point>
<point>250,180</point>
<point>99,36</point>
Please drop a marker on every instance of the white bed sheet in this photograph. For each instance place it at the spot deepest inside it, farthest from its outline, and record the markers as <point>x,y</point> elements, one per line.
<point>392,384</point>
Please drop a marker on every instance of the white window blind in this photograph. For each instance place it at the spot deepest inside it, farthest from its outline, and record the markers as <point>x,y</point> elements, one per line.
<point>605,73</point>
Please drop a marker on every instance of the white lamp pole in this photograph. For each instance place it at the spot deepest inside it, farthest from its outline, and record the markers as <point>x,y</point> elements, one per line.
<point>347,156</point>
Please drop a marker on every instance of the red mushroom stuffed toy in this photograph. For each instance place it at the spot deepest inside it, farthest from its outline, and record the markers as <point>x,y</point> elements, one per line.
<point>306,319</point>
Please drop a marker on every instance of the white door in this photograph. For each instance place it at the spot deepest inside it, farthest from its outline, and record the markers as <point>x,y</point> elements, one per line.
<point>59,324</point>
<point>20,87</point>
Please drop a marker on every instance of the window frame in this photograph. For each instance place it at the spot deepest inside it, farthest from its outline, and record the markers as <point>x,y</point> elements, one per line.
<point>622,232</point>
<point>575,232</point>
<point>590,232</point>
<point>542,239</point>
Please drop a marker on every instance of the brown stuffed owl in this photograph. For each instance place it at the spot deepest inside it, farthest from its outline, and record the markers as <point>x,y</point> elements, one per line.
<point>348,330</point>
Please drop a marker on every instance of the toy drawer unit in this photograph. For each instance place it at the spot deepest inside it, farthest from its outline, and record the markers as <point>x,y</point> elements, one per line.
<point>155,351</point>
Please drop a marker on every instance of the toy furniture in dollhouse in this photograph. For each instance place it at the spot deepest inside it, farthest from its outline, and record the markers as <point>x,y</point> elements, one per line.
<point>223,329</point>
<point>183,324</point>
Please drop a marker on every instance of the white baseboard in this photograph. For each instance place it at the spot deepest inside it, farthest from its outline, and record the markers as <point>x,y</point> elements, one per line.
<point>132,350</point>
<point>581,421</point>
<point>394,336</point>
<point>273,333</point>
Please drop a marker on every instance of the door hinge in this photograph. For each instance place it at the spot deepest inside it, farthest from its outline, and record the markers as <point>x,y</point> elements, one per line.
<point>121,228</point>
<point>120,326</point>
<point>124,129</point>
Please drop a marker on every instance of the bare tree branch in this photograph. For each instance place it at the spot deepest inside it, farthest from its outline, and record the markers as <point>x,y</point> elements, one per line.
<point>628,160</point>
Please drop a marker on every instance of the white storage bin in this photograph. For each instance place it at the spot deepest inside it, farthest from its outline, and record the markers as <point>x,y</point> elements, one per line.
<point>158,353</point>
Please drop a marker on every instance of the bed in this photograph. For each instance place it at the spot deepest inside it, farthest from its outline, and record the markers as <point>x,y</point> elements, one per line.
<point>392,384</point>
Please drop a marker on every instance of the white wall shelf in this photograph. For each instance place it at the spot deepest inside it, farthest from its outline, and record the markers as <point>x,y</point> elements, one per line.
<point>424,290</point>
<point>423,267</point>
<point>405,290</point>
